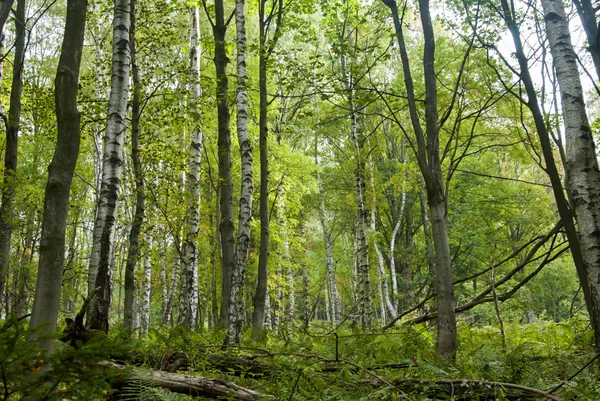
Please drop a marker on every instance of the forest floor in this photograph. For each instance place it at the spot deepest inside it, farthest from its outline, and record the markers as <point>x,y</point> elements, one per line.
<point>536,361</point>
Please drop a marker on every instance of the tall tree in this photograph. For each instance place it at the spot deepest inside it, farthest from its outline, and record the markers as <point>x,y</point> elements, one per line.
<point>60,175</point>
<point>226,225</point>
<point>269,24</point>
<point>188,311</point>
<point>581,164</point>
<point>12,123</point>
<point>112,163</point>
<point>133,251</point>
<point>508,14</point>
<point>236,303</point>
<point>429,160</point>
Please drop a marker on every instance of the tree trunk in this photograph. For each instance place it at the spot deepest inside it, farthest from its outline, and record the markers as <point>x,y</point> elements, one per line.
<point>265,19</point>
<point>258,316</point>
<point>561,202</point>
<point>587,15</point>
<point>333,292</point>
<point>236,304</point>
<point>5,7</point>
<point>382,284</point>
<point>583,175</point>
<point>60,175</point>
<point>188,311</point>
<point>226,226</point>
<point>428,158</point>
<point>11,143</point>
<point>133,251</point>
<point>145,293</point>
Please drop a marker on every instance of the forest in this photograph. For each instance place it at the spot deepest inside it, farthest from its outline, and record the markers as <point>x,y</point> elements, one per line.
<point>299,200</point>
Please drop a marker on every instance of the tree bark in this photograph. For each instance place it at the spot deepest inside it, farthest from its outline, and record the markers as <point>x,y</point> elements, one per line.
<point>428,158</point>
<point>60,175</point>
<point>583,175</point>
<point>236,303</point>
<point>334,300</point>
<point>146,290</point>
<point>188,311</point>
<point>226,225</point>
<point>551,170</point>
<point>104,226</point>
<point>587,15</point>
<point>133,251</point>
<point>12,140</point>
<point>264,23</point>
<point>5,7</point>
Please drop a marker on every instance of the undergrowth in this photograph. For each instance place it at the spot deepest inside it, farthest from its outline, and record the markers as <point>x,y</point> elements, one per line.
<point>315,363</point>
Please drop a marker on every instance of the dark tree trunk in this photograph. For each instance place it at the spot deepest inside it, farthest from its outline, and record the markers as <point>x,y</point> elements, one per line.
<point>60,174</point>
<point>133,252</point>
<point>11,149</point>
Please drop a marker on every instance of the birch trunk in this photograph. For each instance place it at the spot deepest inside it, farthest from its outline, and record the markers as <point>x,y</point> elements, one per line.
<point>236,304</point>
<point>11,142</point>
<point>587,14</point>
<point>171,300</point>
<point>564,209</point>
<point>60,175</point>
<point>133,251</point>
<point>382,284</point>
<point>333,294</point>
<point>362,250</point>
<point>290,306</point>
<point>583,175</point>
<point>145,293</point>
<point>188,312</point>
<point>104,227</point>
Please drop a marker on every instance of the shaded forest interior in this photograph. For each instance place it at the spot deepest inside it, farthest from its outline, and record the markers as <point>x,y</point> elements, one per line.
<point>299,199</point>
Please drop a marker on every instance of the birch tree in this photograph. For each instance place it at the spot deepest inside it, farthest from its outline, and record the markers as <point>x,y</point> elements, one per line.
<point>582,172</point>
<point>104,226</point>
<point>236,302</point>
<point>188,311</point>
<point>60,175</point>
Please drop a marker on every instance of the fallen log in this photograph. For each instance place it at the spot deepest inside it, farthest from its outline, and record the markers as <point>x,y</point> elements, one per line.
<point>196,386</point>
<point>463,389</point>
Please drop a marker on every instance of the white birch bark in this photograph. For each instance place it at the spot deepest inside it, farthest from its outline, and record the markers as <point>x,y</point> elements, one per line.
<point>333,293</point>
<point>291,301</point>
<point>382,283</point>
<point>173,285</point>
<point>145,293</point>
<point>236,304</point>
<point>104,227</point>
<point>188,312</point>
<point>583,174</point>
<point>397,226</point>
<point>362,250</point>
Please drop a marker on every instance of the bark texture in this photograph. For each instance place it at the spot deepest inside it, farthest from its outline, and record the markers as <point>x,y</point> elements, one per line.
<point>60,175</point>
<point>112,163</point>
<point>11,143</point>
<point>226,227</point>
<point>562,204</point>
<point>133,252</point>
<point>583,175</point>
<point>188,311</point>
<point>236,303</point>
<point>428,158</point>
<point>265,21</point>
